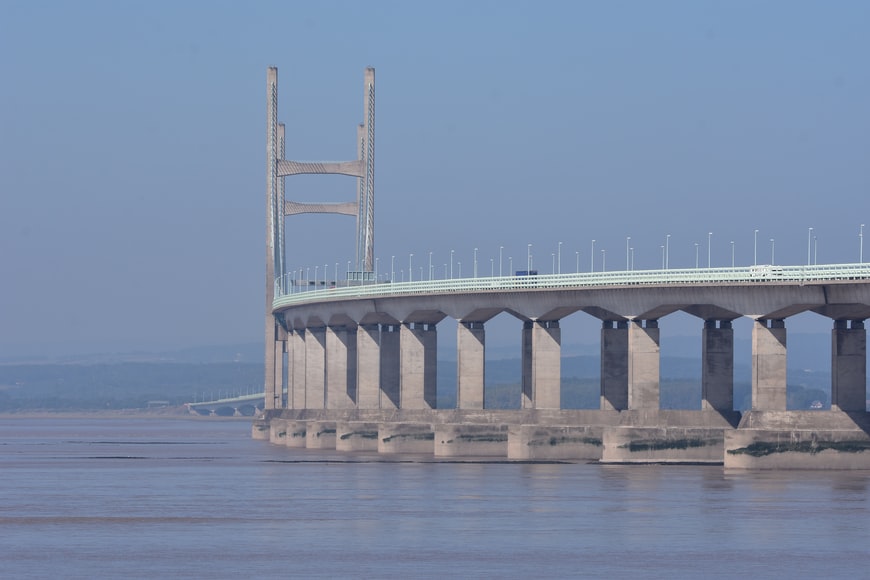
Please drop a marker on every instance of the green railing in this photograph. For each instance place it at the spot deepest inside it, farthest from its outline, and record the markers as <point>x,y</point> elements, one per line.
<point>288,293</point>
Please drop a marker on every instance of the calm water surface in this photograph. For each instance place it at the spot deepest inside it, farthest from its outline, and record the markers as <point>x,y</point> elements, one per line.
<point>148,498</point>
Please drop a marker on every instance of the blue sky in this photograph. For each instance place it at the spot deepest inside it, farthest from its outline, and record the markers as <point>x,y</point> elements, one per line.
<point>132,145</point>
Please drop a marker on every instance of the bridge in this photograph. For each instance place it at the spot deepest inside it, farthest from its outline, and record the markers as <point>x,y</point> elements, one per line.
<point>238,405</point>
<point>357,359</point>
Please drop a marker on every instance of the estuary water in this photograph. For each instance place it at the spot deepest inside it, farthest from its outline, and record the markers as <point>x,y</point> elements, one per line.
<point>176,498</point>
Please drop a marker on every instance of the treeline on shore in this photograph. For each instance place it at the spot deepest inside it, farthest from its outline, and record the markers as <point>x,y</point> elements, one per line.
<point>138,385</point>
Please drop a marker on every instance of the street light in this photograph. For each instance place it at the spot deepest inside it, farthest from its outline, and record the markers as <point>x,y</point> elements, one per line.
<point>451,264</point>
<point>459,268</point>
<point>815,250</point>
<point>500,249</point>
<point>529,260</point>
<point>511,265</point>
<point>430,265</point>
<point>392,268</point>
<point>603,261</point>
<point>492,267</point>
<point>755,250</point>
<point>315,277</point>
<point>627,240</point>
<point>475,262</point>
<point>809,244</point>
<point>553,255</point>
<point>410,268</point>
<point>578,260</point>
<point>709,244</point>
<point>632,258</point>
<point>592,258</point>
<point>861,245</point>
<point>560,257</point>
<point>772,248</point>
<point>667,252</point>
<point>376,269</point>
<point>697,245</point>
<point>732,253</point>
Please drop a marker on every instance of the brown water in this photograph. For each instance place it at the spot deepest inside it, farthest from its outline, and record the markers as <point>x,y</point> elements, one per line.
<point>147,498</point>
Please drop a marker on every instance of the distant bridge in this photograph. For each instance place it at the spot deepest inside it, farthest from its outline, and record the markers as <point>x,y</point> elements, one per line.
<point>254,401</point>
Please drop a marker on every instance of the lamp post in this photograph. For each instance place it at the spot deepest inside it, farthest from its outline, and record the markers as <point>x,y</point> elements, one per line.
<point>336,273</point>
<point>603,261</point>
<point>529,260</point>
<point>663,257</point>
<point>315,277</point>
<point>560,258</point>
<point>553,255</point>
<point>631,250</point>
<point>475,262</point>
<point>627,244</point>
<point>732,253</point>
<point>410,268</point>
<point>592,258</point>
<point>697,245</point>
<point>500,249</point>
<point>578,260</point>
<point>815,250</point>
<point>376,269</point>
<point>392,268</point>
<point>348,268</point>
<point>755,249</point>
<point>511,265</point>
<point>709,248</point>
<point>667,251</point>
<point>861,245</point>
<point>772,248</point>
<point>809,244</point>
<point>492,267</point>
<point>459,268</point>
<point>451,264</point>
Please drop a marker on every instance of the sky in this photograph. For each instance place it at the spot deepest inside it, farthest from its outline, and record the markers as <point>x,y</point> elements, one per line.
<point>132,147</point>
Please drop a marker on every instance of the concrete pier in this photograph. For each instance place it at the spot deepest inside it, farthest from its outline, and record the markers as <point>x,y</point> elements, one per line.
<point>417,365</point>
<point>848,366</point>
<point>320,435</point>
<point>643,364</point>
<point>466,440</point>
<point>769,365</point>
<point>470,357</point>
<point>406,438</point>
<point>541,364</point>
<point>556,442</point>
<point>717,366</point>
<point>315,368</point>
<point>356,436</point>
<point>340,368</point>
<point>390,374</point>
<point>368,377</point>
<point>296,373</point>
<point>614,366</point>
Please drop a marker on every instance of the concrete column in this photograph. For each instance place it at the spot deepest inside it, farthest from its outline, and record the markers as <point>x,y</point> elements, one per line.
<point>717,366</point>
<point>643,364</point>
<point>849,366</point>
<point>768,365</point>
<point>280,348</point>
<point>368,376</point>
<point>470,359</point>
<point>271,395</point>
<point>542,370</point>
<point>417,360</point>
<point>296,375</point>
<point>390,366</point>
<point>315,368</point>
<point>614,366</point>
<point>339,382</point>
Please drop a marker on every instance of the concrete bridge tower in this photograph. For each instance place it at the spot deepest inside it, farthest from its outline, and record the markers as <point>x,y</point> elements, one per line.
<point>278,207</point>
